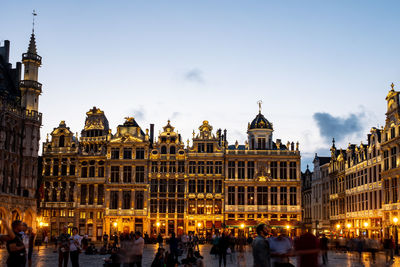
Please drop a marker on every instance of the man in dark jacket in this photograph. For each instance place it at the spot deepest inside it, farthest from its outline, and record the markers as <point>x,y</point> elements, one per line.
<point>261,251</point>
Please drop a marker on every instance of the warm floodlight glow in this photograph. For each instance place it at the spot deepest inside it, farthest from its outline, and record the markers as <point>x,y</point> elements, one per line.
<point>365,224</point>
<point>199,225</point>
<point>337,226</point>
<point>395,220</point>
<point>158,224</point>
<point>242,225</point>
<point>115,224</point>
<point>348,225</point>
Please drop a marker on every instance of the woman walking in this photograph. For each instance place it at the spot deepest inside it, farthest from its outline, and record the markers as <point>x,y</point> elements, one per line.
<point>75,247</point>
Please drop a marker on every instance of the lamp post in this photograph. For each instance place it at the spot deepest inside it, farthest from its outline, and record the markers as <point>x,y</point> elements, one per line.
<point>198,228</point>
<point>242,227</point>
<point>158,227</point>
<point>366,228</point>
<point>396,240</point>
<point>348,227</point>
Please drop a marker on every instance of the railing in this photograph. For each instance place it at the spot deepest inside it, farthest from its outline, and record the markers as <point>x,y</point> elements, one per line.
<point>32,56</point>
<point>30,84</point>
<point>263,152</point>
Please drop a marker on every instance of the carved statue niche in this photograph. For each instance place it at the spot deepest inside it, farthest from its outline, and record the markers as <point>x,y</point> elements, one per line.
<point>262,173</point>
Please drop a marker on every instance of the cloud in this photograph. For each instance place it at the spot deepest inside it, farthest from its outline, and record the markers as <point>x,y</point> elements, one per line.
<point>194,75</point>
<point>338,127</point>
<point>138,114</point>
<point>175,115</point>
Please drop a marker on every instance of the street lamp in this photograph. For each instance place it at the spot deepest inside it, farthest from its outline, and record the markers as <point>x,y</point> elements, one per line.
<point>366,228</point>
<point>338,226</point>
<point>348,227</point>
<point>396,238</point>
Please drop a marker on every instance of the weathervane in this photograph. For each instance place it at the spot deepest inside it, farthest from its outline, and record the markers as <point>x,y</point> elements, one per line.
<point>33,21</point>
<point>259,102</point>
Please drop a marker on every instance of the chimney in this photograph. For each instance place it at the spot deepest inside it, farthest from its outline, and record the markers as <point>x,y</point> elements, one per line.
<point>151,133</point>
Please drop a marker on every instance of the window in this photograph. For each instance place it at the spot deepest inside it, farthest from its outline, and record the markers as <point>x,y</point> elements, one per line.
<point>293,196</point>
<point>140,153</point>
<point>218,186</point>
<point>241,169</point>
<point>180,206</point>
<point>241,195</point>
<point>192,167</point>
<point>200,167</point>
<point>84,172</point>
<point>393,157</point>
<point>172,150</point>
<point>172,167</point>
<point>209,186</point>
<point>283,196</point>
<point>70,213</point>
<point>127,175</point>
<point>292,171</point>
<point>91,194</point>
<point>231,169</point>
<point>217,206</point>
<point>261,143</point>
<point>163,150</point>
<point>171,186</point>
<point>250,169</point>
<point>163,206</point>
<point>126,203</point>
<point>274,195</point>
<point>114,174</point>
<point>71,191</point>
<point>62,213</point>
<point>386,160</point>
<point>283,170</point>
<point>83,194</point>
<point>181,186</point>
<point>250,195</point>
<point>209,167</point>
<point>153,205</point>
<point>394,190</point>
<point>127,153</point>
<point>274,170</point>
<point>82,215</point>
<point>61,141</point>
<point>100,171</point>
<point>64,168</point>
<point>114,199</point>
<point>139,200</point>
<point>114,153</point>
<point>100,194</point>
<point>200,148</point>
<point>218,167</point>
<point>192,206</point>
<point>55,167</point>
<point>163,167</point>
<point>231,195</point>
<point>210,148</point>
<point>154,167</point>
<point>139,176</point>
<point>200,206</point>
<point>181,166</point>
<point>262,195</point>
<point>154,186</point>
<point>171,206</point>
<point>200,186</point>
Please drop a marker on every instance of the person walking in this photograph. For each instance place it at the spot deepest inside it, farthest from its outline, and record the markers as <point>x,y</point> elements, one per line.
<point>261,250</point>
<point>173,246</point>
<point>31,242</point>
<point>105,240</point>
<point>15,245</point>
<point>138,246</point>
<point>323,244</point>
<point>222,249</point>
<point>307,249</point>
<point>160,240</point>
<point>280,247</point>
<point>74,247</point>
<point>63,247</point>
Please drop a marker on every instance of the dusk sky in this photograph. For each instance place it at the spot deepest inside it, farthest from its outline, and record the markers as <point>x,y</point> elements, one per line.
<point>321,68</point>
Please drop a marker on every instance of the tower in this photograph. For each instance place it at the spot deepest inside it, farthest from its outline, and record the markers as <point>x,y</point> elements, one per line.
<point>30,87</point>
<point>259,132</point>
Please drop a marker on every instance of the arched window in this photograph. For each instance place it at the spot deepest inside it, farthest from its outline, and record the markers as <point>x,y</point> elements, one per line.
<point>61,141</point>
<point>172,150</point>
<point>163,150</point>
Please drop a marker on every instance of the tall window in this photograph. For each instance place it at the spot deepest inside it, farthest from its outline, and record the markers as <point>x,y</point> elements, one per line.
<point>171,206</point>
<point>181,166</point>
<point>261,143</point>
<point>164,150</point>
<point>154,167</point>
<point>393,157</point>
<point>139,176</point>
<point>71,191</point>
<point>192,206</point>
<point>386,191</point>
<point>61,141</point>
<point>91,194</point>
<point>218,167</point>
<point>180,207</point>
<point>83,194</point>
<point>139,200</point>
<point>241,195</point>
<point>100,171</point>
<point>100,194</point>
<point>181,186</point>
<point>283,170</point>
<point>250,195</point>
<point>84,172</point>
<point>192,186</point>
<point>192,167</point>
<point>200,186</point>
<point>293,170</point>
<point>231,195</point>
<point>209,167</point>
<point>274,170</point>
<point>209,186</point>
<point>114,153</point>
<point>394,190</point>
<point>55,167</point>
<point>241,169</point>
<point>210,148</point>
<point>114,174</point>
<point>283,196</point>
<point>231,169</point>
<point>163,167</point>
<point>171,186</point>
<point>163,186</point>
<point>217,206</point>
<point>162,205</point>
<point>293,196</point>
<point>140,153</point>
<point>200,167</point>
<point>262,195</point>
<point>200,148</point>
<point>172,150</point>
<point>274,195</point>
<point>250,169</point>
<point>172,167</point>
<point>127,153</point>
<point>154,186</point>
<point>127,174</point>
<point>153,205</point>
<point>386,160</point>
<point>126,203</point>
<point>218,186</point>
<point>114,199</point>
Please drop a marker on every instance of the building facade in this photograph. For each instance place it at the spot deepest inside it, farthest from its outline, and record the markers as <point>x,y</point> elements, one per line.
<point>20,122</point>
<point>105,183</point>
<point>306,192</point>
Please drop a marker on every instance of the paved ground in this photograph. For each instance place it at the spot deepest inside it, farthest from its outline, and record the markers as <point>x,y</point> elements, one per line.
<point>46,257</point>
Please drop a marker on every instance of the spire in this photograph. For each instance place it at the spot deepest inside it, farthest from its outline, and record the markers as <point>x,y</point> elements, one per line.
<point>32,45</point>
<point>259,102</point>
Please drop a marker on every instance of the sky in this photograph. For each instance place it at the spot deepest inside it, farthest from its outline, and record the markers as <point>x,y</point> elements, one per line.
<point>321,68</point>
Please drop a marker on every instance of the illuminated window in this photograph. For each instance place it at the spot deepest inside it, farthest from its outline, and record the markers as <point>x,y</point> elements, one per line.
<point>82,215</point>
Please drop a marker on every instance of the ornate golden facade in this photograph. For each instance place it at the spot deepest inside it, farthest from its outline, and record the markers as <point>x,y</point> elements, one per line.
<point>104,182</point>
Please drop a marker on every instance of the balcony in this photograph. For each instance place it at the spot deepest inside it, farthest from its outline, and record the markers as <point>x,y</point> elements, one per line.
<point>26,84</point>
<point>58,205</point>
<point>30,56</point>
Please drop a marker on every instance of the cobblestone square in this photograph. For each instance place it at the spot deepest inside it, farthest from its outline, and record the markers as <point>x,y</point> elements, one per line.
<point>45,257</point>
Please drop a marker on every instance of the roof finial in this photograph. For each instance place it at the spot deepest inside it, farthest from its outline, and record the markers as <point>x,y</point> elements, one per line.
<point>333,142</point>
<point>33,21</point>
<point>392,85</point>
<point>259,102</point>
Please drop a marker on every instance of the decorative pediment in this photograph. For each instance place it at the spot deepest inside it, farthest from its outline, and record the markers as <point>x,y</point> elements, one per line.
<point>126,138</point>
